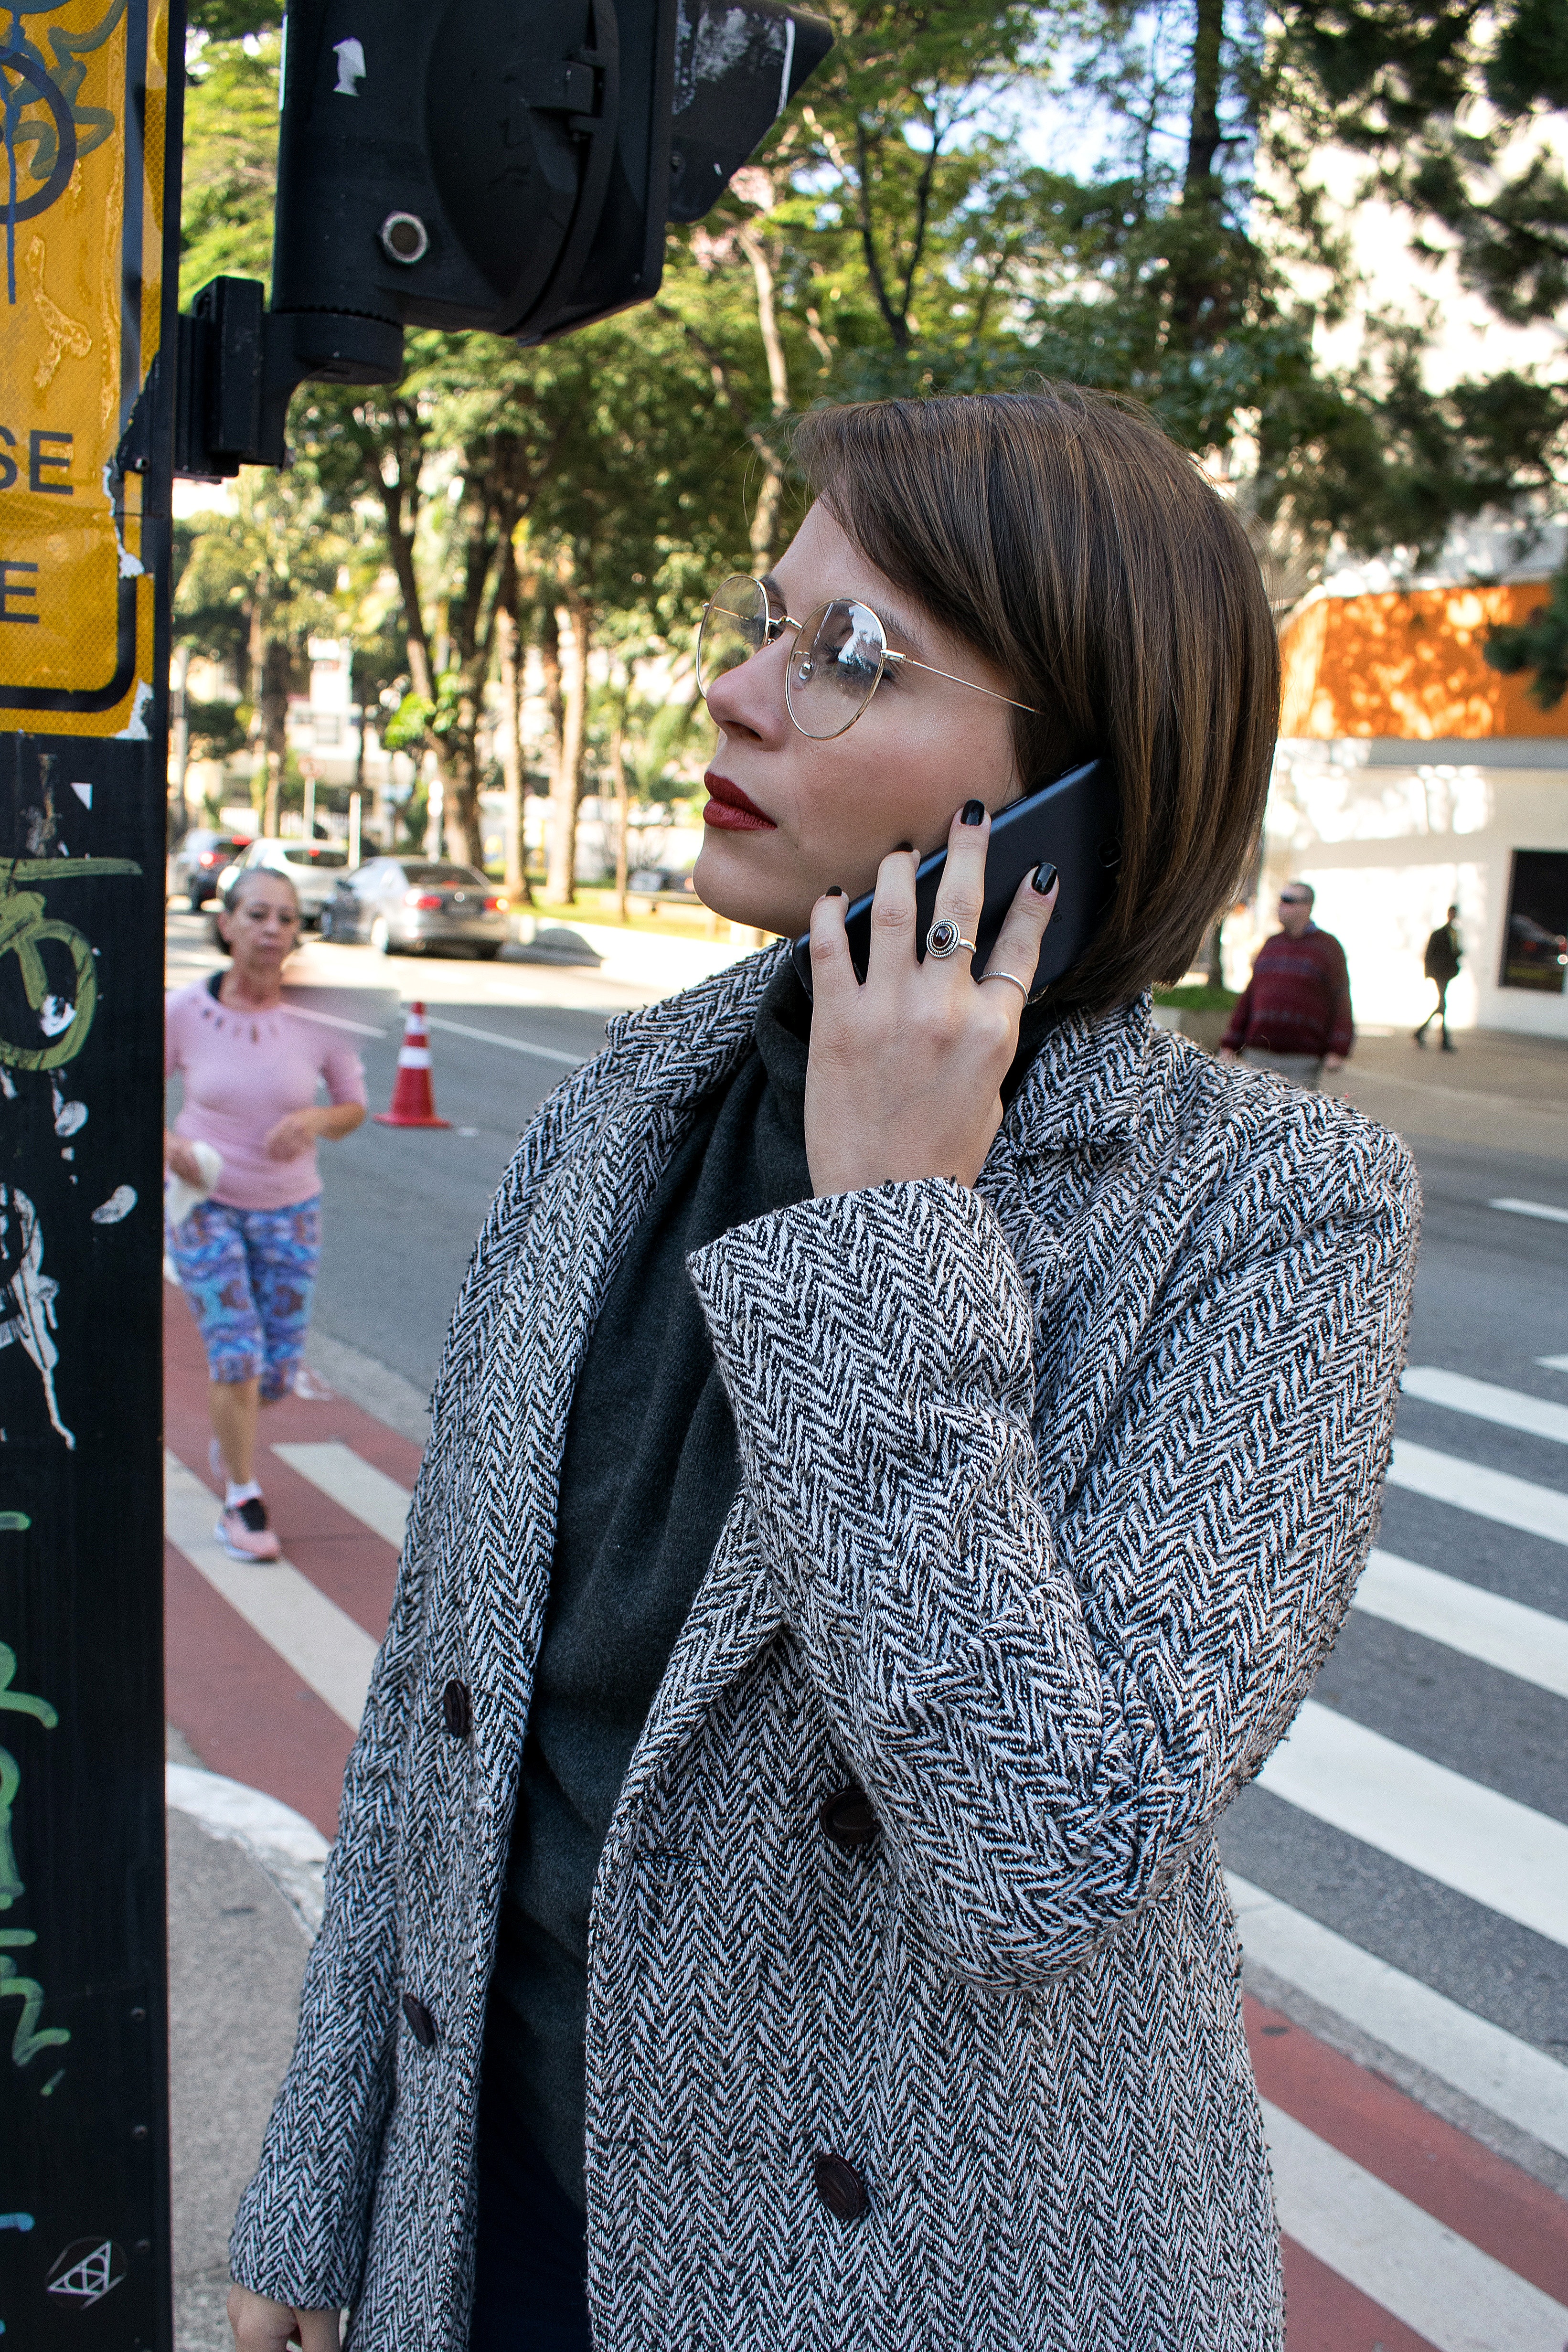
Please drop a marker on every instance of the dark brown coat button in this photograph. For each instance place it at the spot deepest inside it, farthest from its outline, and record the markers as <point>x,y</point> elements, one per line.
<point>421,2024</point>
<point>847,1818</point>
<point>457,1710</point>
<point>839,2186</point>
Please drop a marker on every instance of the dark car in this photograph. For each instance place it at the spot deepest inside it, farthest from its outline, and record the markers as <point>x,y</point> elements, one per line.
<point>199,859</point>
<point>421,904</point>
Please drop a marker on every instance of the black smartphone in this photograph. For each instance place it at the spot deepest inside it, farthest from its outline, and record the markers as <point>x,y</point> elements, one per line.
<point>1071,821</point>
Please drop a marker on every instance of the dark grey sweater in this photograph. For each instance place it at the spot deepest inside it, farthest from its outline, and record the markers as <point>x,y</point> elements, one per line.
<point>650,1472</point>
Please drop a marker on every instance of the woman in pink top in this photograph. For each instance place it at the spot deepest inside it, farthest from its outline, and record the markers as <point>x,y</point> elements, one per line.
<point>247,1255</point>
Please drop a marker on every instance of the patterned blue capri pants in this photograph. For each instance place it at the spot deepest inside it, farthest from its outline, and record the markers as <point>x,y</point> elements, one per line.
<point>250,1275</point>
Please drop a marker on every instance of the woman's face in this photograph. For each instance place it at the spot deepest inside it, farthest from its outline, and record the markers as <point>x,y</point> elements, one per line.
<point>265,926</point>
<point>814,814</point>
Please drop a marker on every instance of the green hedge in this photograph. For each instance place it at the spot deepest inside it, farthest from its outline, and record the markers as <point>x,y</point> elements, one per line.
<point>1198,997</point>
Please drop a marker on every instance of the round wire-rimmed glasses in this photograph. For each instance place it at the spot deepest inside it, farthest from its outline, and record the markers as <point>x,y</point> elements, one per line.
<point>841,654</point>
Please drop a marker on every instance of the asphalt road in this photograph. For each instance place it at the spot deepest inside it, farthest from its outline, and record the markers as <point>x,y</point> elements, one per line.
<point>1491,1300</point>
<point>403,1210</point>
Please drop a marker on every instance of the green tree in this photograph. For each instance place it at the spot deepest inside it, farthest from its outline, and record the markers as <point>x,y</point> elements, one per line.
<point>230,163</point>
<point>1459,111</point>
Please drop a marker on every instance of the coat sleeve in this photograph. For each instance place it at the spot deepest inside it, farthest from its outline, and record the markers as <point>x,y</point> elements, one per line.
<point>1047,1706</point>
<point>302,2225</point>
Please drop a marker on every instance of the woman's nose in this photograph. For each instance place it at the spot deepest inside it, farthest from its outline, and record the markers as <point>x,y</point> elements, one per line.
<point>750,698</point>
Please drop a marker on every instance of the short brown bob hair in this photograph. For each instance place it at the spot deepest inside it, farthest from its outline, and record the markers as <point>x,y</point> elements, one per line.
<point>1063,536</point>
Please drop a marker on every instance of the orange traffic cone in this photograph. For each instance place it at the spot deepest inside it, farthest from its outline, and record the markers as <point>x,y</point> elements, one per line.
<point>413,1096</point>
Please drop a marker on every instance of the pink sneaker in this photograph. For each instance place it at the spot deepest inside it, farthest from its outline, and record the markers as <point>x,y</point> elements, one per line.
<point>243,1531</point>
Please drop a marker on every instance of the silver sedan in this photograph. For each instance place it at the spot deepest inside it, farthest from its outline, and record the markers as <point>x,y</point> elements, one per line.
<point>418,906</point>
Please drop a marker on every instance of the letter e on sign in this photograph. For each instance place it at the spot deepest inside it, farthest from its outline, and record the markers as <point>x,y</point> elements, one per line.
<point>81,297</point>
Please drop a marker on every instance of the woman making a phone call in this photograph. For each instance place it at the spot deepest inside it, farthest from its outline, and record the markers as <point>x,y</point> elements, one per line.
<point>899,1461</point>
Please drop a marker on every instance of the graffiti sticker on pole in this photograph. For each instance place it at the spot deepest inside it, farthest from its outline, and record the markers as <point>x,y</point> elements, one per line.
<point>84,89</point>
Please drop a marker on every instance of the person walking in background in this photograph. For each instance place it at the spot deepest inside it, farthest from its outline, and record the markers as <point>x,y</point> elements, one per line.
<point>1442,968</point>
<point>246,1252</point>
<point>1294,1014</point>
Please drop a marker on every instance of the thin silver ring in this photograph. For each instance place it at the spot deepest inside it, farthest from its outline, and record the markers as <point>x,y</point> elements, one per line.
<point>944,939</point>
<point>1008,977</point>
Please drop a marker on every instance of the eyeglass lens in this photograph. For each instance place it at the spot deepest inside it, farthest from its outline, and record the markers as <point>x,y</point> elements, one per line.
<point>834,663</point>
<point>834,669</point>
<point>735,627</point>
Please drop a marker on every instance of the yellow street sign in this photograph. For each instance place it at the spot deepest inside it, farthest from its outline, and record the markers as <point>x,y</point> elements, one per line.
<point>83,92</point>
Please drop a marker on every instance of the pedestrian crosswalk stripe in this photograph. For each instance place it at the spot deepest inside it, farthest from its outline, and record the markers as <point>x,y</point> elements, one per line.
<point>1554,1363</point>
<point>321,1641</point>
<point>1489,1494</point>
<point>1532,1209</point>
<point>1509,1408</point>
<point>1450,2293</point>
<point>1525,1643</point>
<point>1508,2076</point>
<point>354,1484</point>
<point>1490,1847</point>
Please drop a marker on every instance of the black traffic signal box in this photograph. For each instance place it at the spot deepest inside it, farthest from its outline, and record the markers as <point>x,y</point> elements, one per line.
<point>504,164</point>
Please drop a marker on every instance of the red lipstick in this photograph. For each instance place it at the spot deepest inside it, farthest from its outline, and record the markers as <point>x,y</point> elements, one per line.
<point>729,809</point>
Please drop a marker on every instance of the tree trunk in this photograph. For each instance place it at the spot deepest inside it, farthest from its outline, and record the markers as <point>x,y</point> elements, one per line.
<point>574,628</point>
<point>765,515</point>
<point>512,744</point>
<point>459,759</point>
<point>179,737</point>
<point>623,803</point>
<point>1200,279</point>
<point>1212,957</point>
<point>276,676</point>
<point>400,548</point>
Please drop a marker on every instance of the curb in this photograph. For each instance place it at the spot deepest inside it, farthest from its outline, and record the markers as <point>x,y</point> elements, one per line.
<point>282,1842</point>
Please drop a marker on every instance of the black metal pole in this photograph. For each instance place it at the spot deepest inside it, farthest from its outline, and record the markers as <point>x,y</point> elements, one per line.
<point>87,305</point>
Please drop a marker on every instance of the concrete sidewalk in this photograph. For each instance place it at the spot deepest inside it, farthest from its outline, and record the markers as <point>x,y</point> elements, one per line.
<point>1506,1092</point>
<point>237,1954</point>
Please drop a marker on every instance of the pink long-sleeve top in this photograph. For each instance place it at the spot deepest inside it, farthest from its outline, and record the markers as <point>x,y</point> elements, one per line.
<point>245,1071</point>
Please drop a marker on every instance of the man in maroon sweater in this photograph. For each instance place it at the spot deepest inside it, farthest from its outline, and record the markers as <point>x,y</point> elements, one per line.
<point>1294,1014</point>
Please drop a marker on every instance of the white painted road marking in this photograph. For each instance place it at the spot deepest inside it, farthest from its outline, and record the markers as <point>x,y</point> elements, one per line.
<point>1490,1847</point>
<point>1448,2291</point>
<point>1508,1408</point>
<point>1525,1643</point>
<point>1496,2069</point>
<point>353,1483</point>
<point>1489,1494</point>
<point>1532,1209</point>
<point>322,1643</point>
<point>513,1044</point>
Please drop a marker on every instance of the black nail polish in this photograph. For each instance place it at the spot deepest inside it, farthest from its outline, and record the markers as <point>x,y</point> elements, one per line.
<point>1045,880</point>
<point>902,845</point>
<point>834,893</point>
<point>973,812</point>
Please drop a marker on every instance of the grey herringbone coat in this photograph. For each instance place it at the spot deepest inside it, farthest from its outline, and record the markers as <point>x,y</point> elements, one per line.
<point>1054,1494</point>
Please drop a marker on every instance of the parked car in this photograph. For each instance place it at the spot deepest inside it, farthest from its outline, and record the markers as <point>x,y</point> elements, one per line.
<point>196,862</point>
<point>424,904</point>
<point>312,866</point>
<point>1537,956</point>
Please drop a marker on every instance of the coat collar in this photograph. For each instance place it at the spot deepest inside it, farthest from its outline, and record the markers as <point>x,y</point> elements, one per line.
<point>1087,1084</point>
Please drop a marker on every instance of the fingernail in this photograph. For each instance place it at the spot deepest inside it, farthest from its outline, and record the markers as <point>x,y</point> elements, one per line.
<point>902,845</point>
<point>834,893</point>
<point>973,812</point>
<point>1045,878</point>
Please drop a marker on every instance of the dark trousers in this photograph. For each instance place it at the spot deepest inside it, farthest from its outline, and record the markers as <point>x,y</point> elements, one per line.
<point>531,2291</point>
<point>1439,1011</point>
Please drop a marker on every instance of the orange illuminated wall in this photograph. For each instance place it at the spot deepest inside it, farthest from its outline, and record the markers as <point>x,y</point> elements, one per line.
<point>1409,665</point>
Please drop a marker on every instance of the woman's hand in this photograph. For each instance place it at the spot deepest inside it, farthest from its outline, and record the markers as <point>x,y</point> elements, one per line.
<point>905,1072</point>
<point>260,2325</point>
<point>298,1130</point>
<point>179,1157</point>
<point>294,1133</point>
